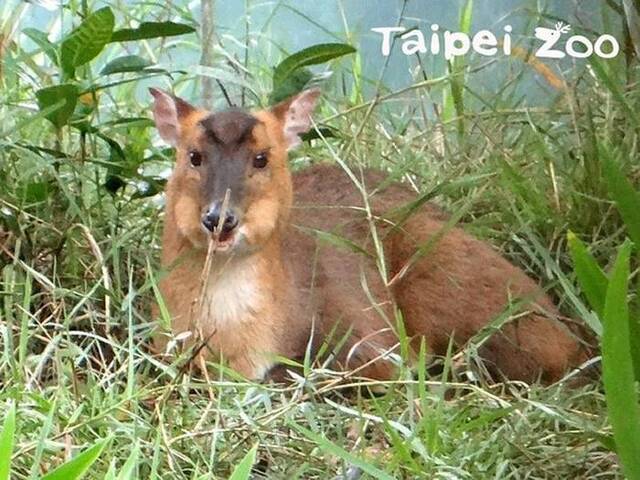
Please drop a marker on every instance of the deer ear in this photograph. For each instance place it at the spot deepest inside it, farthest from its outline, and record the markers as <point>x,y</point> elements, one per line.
<point>168,111</point>
<point>295,115</point>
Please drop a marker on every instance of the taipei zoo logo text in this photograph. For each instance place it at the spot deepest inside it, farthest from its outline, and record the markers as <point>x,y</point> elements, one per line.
<point>484,42</point>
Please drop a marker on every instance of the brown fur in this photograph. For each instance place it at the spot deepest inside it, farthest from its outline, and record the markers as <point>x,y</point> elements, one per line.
<point>296,284</point>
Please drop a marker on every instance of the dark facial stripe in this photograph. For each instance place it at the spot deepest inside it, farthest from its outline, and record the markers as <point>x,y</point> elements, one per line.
<point>228,127</point>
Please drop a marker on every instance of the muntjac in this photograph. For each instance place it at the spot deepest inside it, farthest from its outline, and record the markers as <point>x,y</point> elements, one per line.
<point>248,275</point>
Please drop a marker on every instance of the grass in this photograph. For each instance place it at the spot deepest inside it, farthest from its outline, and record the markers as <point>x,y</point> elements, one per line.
<point>79,267</point>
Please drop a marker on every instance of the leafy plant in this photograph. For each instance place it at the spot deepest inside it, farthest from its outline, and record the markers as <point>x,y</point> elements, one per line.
<point>290,76</point>
<point>87,41</point>
<point>72,102</point>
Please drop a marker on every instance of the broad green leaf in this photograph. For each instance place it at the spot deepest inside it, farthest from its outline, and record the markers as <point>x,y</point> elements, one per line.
<point>295,83</point>
<point>617,369</point>
<point>591,278</point>
<point>87,41</point>
<point>338,451</point>
<point>6,442</point>
<point>148,30</point>
<point>127,63</point>
<point>61,100</point>
<point>41,39</point>
<point>321,132</point>
<point>78,466</point>
<point>113,183</point>
<point>309,56</point>
<point>623,193</point>
<point>243,469</point>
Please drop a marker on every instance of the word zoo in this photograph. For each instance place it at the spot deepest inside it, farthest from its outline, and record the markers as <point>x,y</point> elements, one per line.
<point>484,42</point>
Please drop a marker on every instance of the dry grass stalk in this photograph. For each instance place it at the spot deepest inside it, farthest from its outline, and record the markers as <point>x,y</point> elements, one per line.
<point>197,305</point>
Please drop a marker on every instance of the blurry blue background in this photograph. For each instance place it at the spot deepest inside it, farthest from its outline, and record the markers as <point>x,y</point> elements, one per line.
<point>277,28</point>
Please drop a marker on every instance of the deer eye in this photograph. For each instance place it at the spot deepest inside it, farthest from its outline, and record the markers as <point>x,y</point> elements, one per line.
<point>195,158</point>
<point>260,160</point>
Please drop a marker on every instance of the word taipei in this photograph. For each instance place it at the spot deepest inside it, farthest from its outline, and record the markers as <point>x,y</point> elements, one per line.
<point>484,42</point>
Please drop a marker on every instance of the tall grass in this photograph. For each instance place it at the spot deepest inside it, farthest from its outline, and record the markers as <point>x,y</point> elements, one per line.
<point>79,224</point>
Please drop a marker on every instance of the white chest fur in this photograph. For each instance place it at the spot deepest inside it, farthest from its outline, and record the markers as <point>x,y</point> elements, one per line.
<point>232,295</point>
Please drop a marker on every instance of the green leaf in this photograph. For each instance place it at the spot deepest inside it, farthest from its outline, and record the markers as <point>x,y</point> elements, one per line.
<point>309,56</point>
<point>295,83</point>
<point>41,151</point>
<point>148,30</point>
<point>466,16</point>
<point>591,278</point>
<point>127,63</point>
<point>79,465</point>
<point>41,39</point>
<point>617,368</point>
<point>321,132</point>
<point>35,192</point>
<point>6,442</point>
<point>60,101</point>
<point>87,41</point>
<point>113,183</point>
<point>624,194</point>
<point>243,469</point>
<point>454,97</point>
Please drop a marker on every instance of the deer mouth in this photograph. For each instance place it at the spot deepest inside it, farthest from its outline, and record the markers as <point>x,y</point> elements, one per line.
<point>225,236</point>
<point>224,240</point>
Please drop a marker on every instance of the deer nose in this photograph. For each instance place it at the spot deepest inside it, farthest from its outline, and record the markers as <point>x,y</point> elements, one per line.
<point>212,218</point>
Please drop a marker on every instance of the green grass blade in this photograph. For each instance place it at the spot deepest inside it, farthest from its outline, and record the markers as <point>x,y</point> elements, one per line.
<point>128,469</point>
<point>617,368</point>
<point>454,97</point>
<point>243,469</point>
<point>6,442</point>
<point>466,16</point>
<point>348,457</point>
<point>634,332</point>
<point>614,88</point>
<point>78,466</point>
<point>335,240</point>
<point>591,278</point>
<point>42,439</point>
<point>623,193</point>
